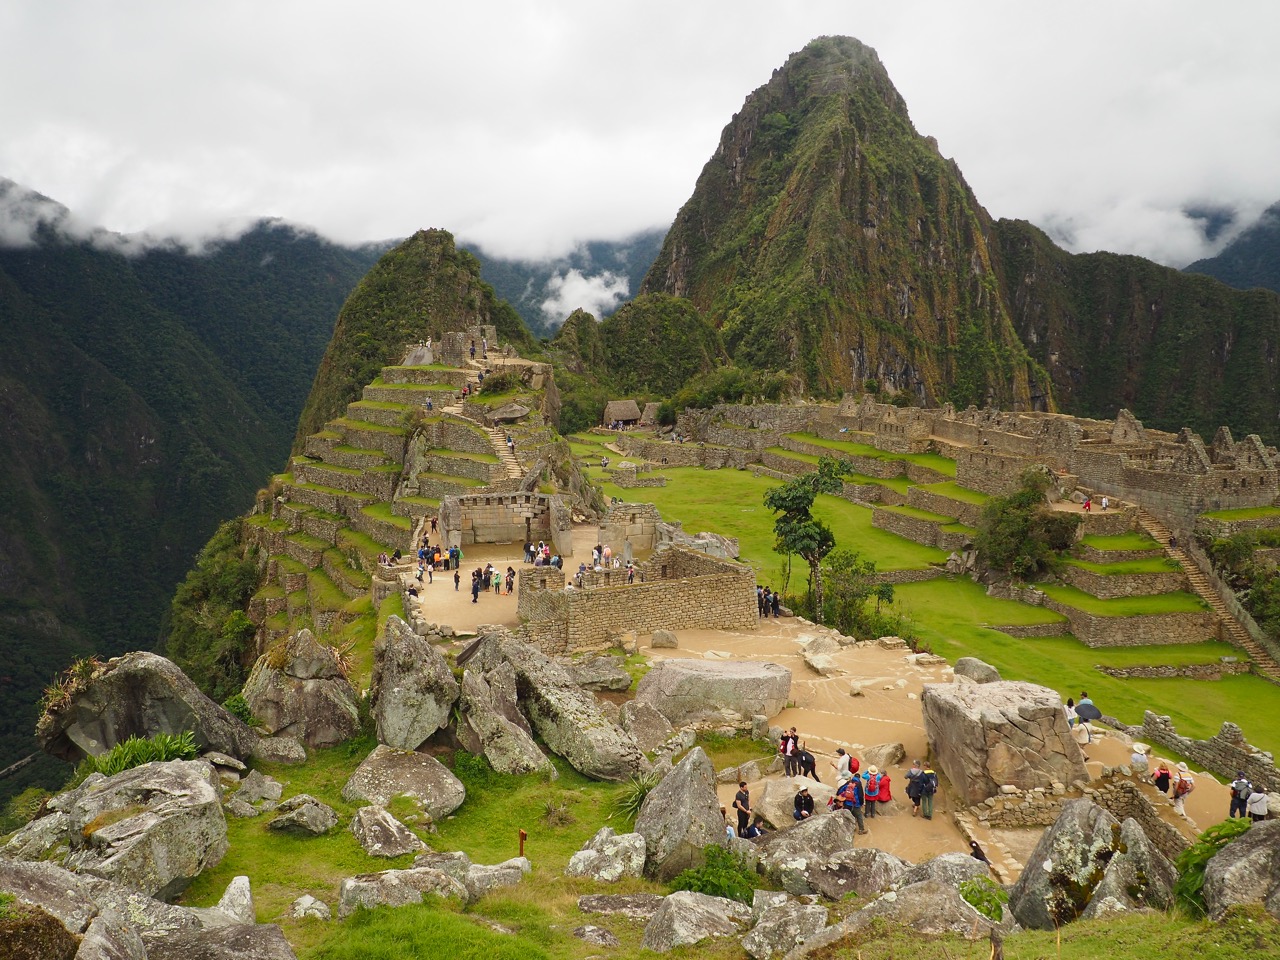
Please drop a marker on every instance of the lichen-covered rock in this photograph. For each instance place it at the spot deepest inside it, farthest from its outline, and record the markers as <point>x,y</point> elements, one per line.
<point>564,715</point>
<point>298,690</point>
<point>110,937</point>
<point>382,835</point>
<point>605,672</point>
<point>864,871</point>
<point>680,817</point>
<point>387,773</point>
<point>395,888</point>
<point>140,694</point>
<point>484,877</point>
<point>279,750</point>
<point>930,907</point>
<point>649,728</point>
<point>637,906</point>
<point>715,691</point>
<point>991,734</point>
<point>264,941</point>
<point>952,869</point>
<point>596,936</point>
<point>608,857</point>
<point>686,918</point>
<point>153,828</point>
<point>1083,855</point>
<point>31,933</point>
<point>507,746</point>
<point>237,901</point>
<point>308,906</point>
<point>1246,871</point>
<point>304,816</point>
<point>256,787</point>
<point>783,928</point>
<point>413,690</point>
<point>788,856</point>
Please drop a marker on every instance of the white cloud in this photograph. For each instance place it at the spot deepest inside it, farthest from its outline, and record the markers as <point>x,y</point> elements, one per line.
<point>527,128</point>
<point>572,290</point>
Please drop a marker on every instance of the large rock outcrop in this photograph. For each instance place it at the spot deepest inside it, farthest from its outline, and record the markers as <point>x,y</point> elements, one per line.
<point>486,728</point>
<point>776,799</point>
<point>297,690</point>
<point>1086,864</point>
<point>790,856</point>
<point>396,888</point>
<point>608,857</point>
<point>118,923</point>
<point>153,828</point>
<point>680,817</point>
<point>650,728</point>
<point>564,715</point>
<point>385,774</point>
<point>715,692</point>
<point>412,691</point>
<point>140,694</point>
<point>864,871</point>
<point>783,927</point>
<point>686,918</point>
<point>382,835</point>
<point>987,735</point>
<point>1246,871</point>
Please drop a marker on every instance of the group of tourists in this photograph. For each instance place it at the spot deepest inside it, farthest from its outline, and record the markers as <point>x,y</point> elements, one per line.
<point>489,577</point>
<point>768,601</point>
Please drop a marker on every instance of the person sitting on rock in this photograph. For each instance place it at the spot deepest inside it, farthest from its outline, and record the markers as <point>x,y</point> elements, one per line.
<point>804,804</point>
<point>757,828</point>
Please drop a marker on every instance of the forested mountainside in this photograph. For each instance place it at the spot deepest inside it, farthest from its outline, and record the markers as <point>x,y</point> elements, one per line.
<point>1252,259</point>
<point>143,399</point>
<point>827,239</point>
<point>424,287</point>
<point>528,284</point>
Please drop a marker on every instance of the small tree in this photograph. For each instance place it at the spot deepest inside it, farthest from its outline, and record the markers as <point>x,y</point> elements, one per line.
<point>849,583</point>
<point>1019,535</point>
<point>797,530</point>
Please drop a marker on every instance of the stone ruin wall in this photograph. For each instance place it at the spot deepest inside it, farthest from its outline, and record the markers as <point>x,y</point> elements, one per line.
<point>1113,585</point>
<point>1223,754</point>
<point>635,522</point>
<point>455,347</point>
<point>507,518</point>
<point>1116,794</point>
<point>697,592</point>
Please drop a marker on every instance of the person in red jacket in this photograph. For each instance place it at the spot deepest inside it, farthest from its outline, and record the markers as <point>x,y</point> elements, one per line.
<point>884,796</point>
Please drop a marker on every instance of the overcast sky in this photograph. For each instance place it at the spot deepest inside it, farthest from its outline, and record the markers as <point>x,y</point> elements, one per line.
<point>528,127</point>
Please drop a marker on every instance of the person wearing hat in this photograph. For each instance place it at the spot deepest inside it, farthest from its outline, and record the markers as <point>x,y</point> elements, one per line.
<point>1240,790</point>
<point>804,804</point>
<point>871,789</point>
<point>1183,784</point>
<point>1138,759</point>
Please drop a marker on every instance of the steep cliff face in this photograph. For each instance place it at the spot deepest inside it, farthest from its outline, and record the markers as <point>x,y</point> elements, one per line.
<point>1178,349</point>
<point>423,288</point>
<point>825,237</point>
<point>1251,259</point>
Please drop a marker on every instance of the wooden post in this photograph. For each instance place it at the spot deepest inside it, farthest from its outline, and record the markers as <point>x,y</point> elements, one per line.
<point>523,837</point>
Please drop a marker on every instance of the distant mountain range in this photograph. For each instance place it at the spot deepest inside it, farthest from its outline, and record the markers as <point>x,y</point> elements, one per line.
<point>1250,260</point>
<point>143,399</point>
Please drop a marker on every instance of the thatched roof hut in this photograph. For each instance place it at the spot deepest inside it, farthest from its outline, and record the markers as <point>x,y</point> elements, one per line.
<point>621,411</point>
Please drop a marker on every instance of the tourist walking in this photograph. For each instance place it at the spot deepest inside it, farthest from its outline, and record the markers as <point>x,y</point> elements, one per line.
<point>1163,777</point>
<point>1257,805</point>
<point>742,804</point>
<point>915,786</point>
<point>1240,790</point>
<point>1183,784</point>
<point>928,787</point>
<point>475,588</point>
<point>776,605</point>
<point>457,578</point>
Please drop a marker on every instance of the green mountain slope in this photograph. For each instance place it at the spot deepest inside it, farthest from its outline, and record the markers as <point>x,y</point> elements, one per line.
<point>825,237</point>
<point>1178,349</point>
<point>134,420</point>
<point>423,288</point>
<point>1250,260</point>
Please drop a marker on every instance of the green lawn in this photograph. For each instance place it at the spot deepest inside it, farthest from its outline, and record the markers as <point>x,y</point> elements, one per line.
<point>1177,602</point>
<point>919,514</point>
<point>899,483</point>
<point>382,511</point>
<point>731,502</point>
<point>953,491</point>
<point>932,461</point>
<point>1243,513</point>
<point>1157,564</point>
<point>1122,541</point>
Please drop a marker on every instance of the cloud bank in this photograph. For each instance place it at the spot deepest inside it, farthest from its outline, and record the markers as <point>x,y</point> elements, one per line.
<point>598,294</point>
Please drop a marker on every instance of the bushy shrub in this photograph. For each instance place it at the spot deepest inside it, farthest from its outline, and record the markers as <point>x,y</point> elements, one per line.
<point>634,792</point>
<point>985,896</point>
<point>1189,888</point>
<point>1019,536</point>
<point>136,751</point>
<point>724,874</point>
<point>238,707</point>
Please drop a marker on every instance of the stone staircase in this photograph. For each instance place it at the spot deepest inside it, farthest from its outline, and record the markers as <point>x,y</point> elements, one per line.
<point>473,381</point>
<point>1233,631</point>
<point>505,456</point>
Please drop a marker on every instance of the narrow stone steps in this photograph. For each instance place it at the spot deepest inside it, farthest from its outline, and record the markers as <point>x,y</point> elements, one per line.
<point>1233,630</point>
<point>508,459</point>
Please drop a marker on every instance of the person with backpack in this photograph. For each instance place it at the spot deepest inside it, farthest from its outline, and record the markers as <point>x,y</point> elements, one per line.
<point>915,786</point>
<point>1240,790</point>
<point>1183,784</point>
<point>871,789</point>
<point>851,797</point>
<point>928,787</point>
